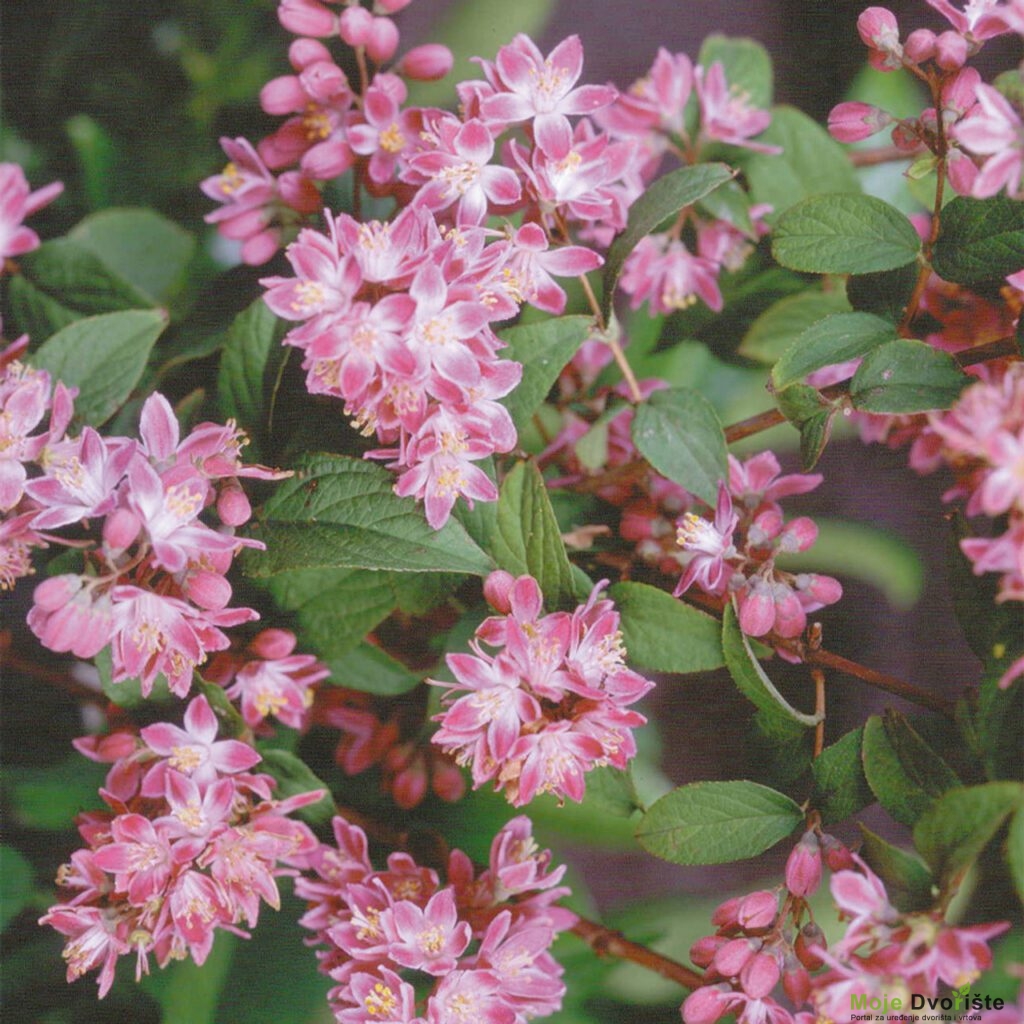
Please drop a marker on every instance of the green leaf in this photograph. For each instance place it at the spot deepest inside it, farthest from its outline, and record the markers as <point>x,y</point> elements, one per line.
<point>962,822</point>
<point>751,678</point>
<point>815,432</point>
<point>844,234</point>
<point>141,247</point>
<point>885,294</point>
<point>907,376</point>
<point>371,670</point>
<point>840,789</point>
<point>980,239</point>
<point>904,773</point>
<point>835,339</point>
<point>780,324</point>
<point>543,349</point>
<point>251,356</point>
<point>748,68</point>
<point>340,512</point>
<point>36,313</point>
<point>294,777</point>
<point>104,357</point>
<point>188,993</point>
<point>665,198</point>
<point>664,635</point>
<point>811,162</point>
<point>49,797</point>
<point>612,790</point>
<point>678,432</point>
<point>1015,852</point>
<point>527,539</point>
<point>127,693</point>
<point>907,879</point>
<point>717,822</point>
<point>16,883</point>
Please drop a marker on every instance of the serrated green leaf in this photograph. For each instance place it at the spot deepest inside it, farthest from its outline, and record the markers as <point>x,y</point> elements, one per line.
<point>665,198</point>
<point>16,881</point>
<point>678,432</point>
<point>717,822</point>
<point>34,312</point>
<point>885,294</point>
<point>748,68</point>
<point>103,356</point>
<point>543,349</point>
<point>834,339</point>
<point>141,247</point>
<point>751,679</point>
<point>800,402</point>
<point>664,635</point>
<point>906,376</point>
<point>980,239</point>
<point>961,823</point>
<point>294,777</point>
<point>840,789</point>
<point>340,512</point>
<point>612,790</point>
<point>783,322</point>
<point>907,879</point>
<point>527,538</point>
<point>844,233</point>
<point>811,162</point>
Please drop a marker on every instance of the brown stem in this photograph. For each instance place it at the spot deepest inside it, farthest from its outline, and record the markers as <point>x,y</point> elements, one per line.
<point>605,942</point>
<point>753,425</point>
<point>12,661</point>
<point>612,341</point>
<point>819,711</point>
<point>998,349</point>
<point>882,155</point>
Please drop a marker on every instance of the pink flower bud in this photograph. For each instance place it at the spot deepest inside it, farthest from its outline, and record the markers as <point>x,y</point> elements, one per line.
<point>851,122</point>
<point>905,138</point>
<point>811,938</point>
<point>409,787</point>
<point>306,18</point>
<point>880,32</point>
<point>498,591</point>
<point>760,975</point>
<point>837,856</point>
<point>821,589</point>
<point>391,6</point>
<point>919,45</point>
<point>324,81</point>
<point>354,25</point>
<point>803,868</point>
<point>757,910</point>
<point>426,63</point>
<point>208,590</point>
<point>950,51</point>
<point>273,644</point>
<point>707,1004</point>
<point>304,52</point>
<point>282,95</point>
<point>56,592</point>
<point>120,529</point>
<point>383,40</point>
<point>796,983</point>
<point>447,780</point>
<point>299,192</point>
<point>328,160</point>
<point>734,956</point>
<point>756,609</point>
<point>962,171</point>
<point>703,951</point>
<point>233,506</point>
<point>790,617</point>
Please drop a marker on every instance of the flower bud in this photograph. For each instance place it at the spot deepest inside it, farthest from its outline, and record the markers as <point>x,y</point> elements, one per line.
<point>851,122</point>
<point>447,781</point>
<point>56,592</point>
<point>426,63</point>
<point>803,868</point>
<point>324,81</point>
<point>208,590</point>
<point>282,95</point>
<point>273,644</point>
<point>810,939</point>
<point>391,6</point>
<point>919,45</point>
<point>950,51</point>
<point>233,506</point>
<point>734,956</point>
<point>962,171</point>
<point>703,951</point>
<point>120,529</point>
<point>837,856</point>
<point>757,910</point>
<point>821,589</point>
<point>796,982</point>
<point>382,41</point>
<point>881,34</point>
<point>760,975</point>
<point>498,591</point>
<point>756,609</point>
<point>260,248</point>
<point>354,25</point>
<point>905,138</point>
<point>707,1004</point>
<point>304,52</point>
<point>306,18</point>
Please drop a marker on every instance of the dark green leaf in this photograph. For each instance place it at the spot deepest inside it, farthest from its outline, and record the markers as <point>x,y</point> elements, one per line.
<point>835,339</point>
<point>527,539</point>
<point>36,313</point>
<point>612,790</point>
<point>371,670</point>
<point>907,879</point>
<point>885,294</point>
<point>141,247</point>
<point>717,822</point>
<point>800,402</point>
<point>748,68</point>
<point>663,634</point>
<point>962,823</point>
<point>844,234</point>
<point>840,789</point>
<point>782,323</point>
<point>294,777</point>
<point>15,884</point>
<point>665,198</point>
<point>340,512</point>
<point>751,679</point>
<point>678,432</point>
<point>907,376</point>
<point>1015,852</point>
<point>128,692</point>
<point>103,356</point>
<point>49,797</point>
<point>543,349</point>
<point>188,993</point>
<point>815,432</point>
<point>980,239</point>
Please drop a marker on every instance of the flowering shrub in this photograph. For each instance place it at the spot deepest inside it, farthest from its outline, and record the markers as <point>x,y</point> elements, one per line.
<point>491,507</point>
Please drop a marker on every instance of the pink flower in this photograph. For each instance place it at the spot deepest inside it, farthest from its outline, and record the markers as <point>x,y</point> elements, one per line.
<point>17,203</point>
<point>97,939</point>
<point>725,113</point>
<point>532,264</point>
<point>980,19</point>
<point>664,273</point>
<point>707,547</point>
<point>994,128</point>
<point>387,131</point>
<point>469,995</point>
<point>430,938</point>
<point>529,86</point>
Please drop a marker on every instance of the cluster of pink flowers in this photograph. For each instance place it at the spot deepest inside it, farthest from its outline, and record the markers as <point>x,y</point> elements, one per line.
<point>551,704</point>
<point>192,843</point>
<point>480,941</point>
<point>759,943</point>
<point>976,129</point>
<point>388,735</point>
<point>16,203</point>
<point>154,585</point>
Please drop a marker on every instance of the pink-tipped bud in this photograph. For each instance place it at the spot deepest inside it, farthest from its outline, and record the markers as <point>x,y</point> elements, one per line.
<point>703,951</point>
<point>304,52</point>
<point>950,51</point>
<point>962,171</point>
<point>273,644</point>
<point>324,81</point>
<point>821,589</point>
<point>328,160</point>
<point>447,780</point>
<point>426,63</point>
<point>120,529</point>
<point>851,122</point>
<point>354,25</point>
<point>904,137</point>
<point>756,609</point>
<point>796,983</point>
<point>837,855</point>
<point>707,1004</point>
<point>409,786</point>
<point>881,34</point>
<point>233,506</point>
<point>919,45</point>
<point>56,592</point>
<point>498,591</point>
<point>760,975</point>
<point>757,911</point>
<point>810,939</point>
<point>803,868</point>
<point>307,18</point>
<point>382,41</point>
<point>790,617</point>
<point>391,6</point>
<point>299,192</point>
<point>734,956</point>
<point>208,590</point>
<point>261,247</point>
<point>283,95</point>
